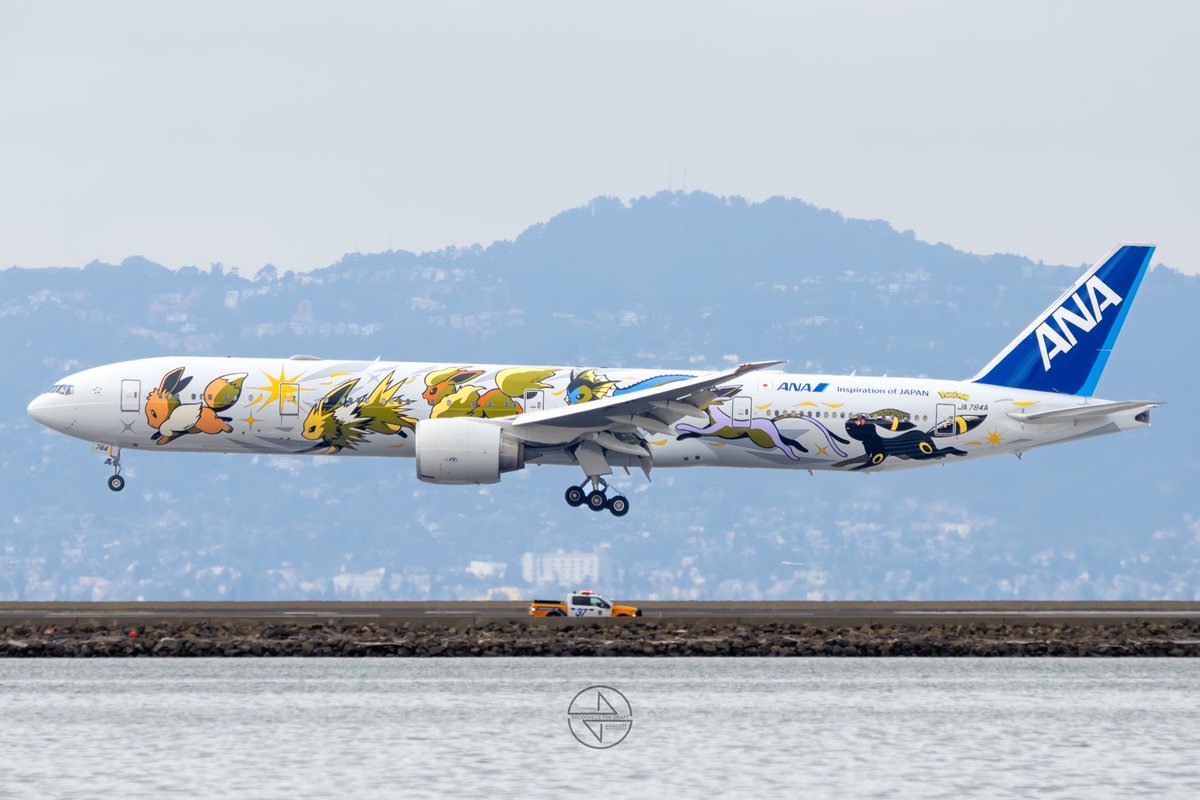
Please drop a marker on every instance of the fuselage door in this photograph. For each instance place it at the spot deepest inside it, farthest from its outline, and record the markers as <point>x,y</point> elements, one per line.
<point>946,420</point>
<point>535,400</point>
<point>743,413</point>
<point>131,395</point>
<point>289,399</point>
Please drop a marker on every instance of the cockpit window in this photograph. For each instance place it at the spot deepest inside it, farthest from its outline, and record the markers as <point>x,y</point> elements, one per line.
<point>61,388</point>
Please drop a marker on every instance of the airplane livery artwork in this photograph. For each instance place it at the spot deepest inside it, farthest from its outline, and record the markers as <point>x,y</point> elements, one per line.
<point>470,423</point>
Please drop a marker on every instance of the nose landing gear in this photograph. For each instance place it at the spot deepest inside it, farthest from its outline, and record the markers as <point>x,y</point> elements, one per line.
<point>115,481</point>
<point>597,499</point>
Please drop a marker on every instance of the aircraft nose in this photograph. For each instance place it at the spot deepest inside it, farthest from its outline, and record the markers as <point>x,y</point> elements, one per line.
<point>39,409</point>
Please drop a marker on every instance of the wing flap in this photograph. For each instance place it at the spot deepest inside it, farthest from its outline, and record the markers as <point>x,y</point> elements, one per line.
<point>615,445</point>
<point>650,423</point>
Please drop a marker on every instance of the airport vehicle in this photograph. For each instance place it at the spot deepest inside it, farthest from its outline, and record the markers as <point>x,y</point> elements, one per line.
<point>581,603</point>
<point>471,423</point>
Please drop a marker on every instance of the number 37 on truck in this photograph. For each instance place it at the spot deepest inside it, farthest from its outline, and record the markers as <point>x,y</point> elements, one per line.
<point>581,604</point>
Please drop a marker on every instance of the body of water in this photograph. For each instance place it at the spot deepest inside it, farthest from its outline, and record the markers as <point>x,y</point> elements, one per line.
<point>287,728</point>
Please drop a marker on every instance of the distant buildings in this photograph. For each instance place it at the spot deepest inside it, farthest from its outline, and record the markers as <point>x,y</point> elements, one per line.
<point>564,569</point>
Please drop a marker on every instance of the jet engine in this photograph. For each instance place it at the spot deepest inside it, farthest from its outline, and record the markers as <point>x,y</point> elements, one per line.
<point>462,450</point>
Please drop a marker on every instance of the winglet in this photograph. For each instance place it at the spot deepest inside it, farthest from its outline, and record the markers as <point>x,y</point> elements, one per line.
<point>752,366</point>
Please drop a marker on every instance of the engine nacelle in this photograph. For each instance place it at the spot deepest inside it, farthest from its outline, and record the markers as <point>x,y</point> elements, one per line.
<point>463,450</point>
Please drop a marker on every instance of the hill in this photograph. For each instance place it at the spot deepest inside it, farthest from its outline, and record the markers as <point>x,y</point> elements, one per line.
<point>672,280</point>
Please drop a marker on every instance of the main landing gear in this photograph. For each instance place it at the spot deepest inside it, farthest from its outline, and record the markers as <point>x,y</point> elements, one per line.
<point>597,499</point>
<point>115,481</point>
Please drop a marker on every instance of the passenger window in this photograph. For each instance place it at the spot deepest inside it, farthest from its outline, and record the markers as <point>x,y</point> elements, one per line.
<point>580,600</point>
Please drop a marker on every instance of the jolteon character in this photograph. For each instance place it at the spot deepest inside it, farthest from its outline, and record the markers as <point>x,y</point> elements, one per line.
<point>338,422</point>
<point>332,421</point>
<point>384,411</point>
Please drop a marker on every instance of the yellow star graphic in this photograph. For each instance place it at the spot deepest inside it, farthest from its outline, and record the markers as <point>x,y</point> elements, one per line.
<point>251,420</point>
<point>277,388</point>
<point>820,451</point>
<point>993,438</point>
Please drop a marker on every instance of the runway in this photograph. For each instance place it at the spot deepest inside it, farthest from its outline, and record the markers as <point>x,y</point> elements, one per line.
<point>450,613</point>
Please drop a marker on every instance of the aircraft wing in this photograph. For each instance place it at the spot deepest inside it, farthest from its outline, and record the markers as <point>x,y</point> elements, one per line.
<point>654,409</point>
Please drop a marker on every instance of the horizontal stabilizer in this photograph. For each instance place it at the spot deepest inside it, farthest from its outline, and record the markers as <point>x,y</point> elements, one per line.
<point>1084,412</point>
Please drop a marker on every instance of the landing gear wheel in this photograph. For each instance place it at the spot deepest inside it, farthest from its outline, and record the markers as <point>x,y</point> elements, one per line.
<point>574,496</point>
<point>597,500</point>
<point>115,482</point>
<point>618,505</point>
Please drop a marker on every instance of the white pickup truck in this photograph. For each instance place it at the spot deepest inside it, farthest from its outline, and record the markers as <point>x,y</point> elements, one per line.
<point>581,604</point>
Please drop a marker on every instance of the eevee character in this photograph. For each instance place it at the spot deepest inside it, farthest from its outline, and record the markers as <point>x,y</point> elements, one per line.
<point>172,418</point>
<point>338,421</point>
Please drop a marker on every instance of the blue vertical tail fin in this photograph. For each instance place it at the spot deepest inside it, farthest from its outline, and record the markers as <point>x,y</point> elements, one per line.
<point>1066,347</point>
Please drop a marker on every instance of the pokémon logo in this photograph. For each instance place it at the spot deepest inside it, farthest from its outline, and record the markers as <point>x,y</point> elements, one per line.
<point>1099,297</point>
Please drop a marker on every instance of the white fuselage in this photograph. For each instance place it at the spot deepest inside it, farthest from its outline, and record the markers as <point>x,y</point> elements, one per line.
<point>765,419</point>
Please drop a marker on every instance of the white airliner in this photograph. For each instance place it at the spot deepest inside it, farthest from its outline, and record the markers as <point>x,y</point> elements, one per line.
<point>470,423</point>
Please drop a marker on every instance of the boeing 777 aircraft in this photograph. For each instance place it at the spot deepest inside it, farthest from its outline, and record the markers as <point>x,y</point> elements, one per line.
<point>471,423</point>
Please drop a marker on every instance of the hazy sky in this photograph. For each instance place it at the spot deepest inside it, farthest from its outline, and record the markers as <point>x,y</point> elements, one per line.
<point>291,133</point>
